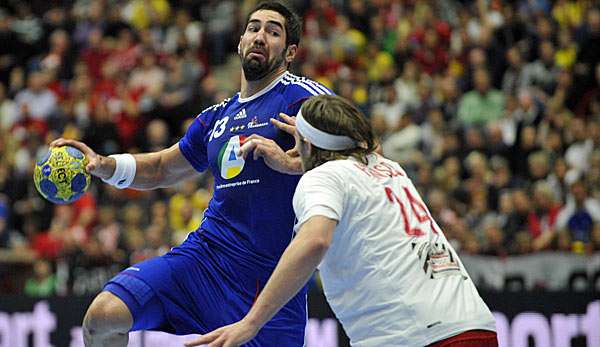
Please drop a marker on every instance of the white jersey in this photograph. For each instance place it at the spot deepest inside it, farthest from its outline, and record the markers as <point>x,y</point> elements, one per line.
<point>390,275</point>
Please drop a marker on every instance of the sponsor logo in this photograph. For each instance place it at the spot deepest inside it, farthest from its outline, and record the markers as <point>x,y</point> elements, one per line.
<point>255,124</point>
<point>230,163</point>
<point>240,115</point>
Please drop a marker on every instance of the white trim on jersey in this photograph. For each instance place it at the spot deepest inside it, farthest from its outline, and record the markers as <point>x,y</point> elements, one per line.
<point>304,86</point>
<point>310,82</point>
<point>263,91</point>
<point>309,85</point>
<point>215,106</point>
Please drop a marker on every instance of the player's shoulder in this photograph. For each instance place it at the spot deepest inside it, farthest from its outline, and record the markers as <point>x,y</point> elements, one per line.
<point>213,112</point>
<point>217,107</point>
<point>298,86</point>
<point>332,171</point>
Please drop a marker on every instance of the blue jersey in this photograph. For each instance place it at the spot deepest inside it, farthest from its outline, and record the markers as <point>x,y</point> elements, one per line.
<point>250,215</point>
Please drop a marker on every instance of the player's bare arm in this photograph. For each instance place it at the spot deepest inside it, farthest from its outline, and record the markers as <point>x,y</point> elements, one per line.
<point>153,170</point>
<point>294,269</point>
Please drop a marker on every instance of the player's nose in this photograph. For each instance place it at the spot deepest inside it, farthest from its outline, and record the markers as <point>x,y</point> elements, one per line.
<point>260,38</point>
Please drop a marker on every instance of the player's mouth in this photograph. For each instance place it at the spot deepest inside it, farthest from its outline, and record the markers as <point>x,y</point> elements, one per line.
<point>257,53</point>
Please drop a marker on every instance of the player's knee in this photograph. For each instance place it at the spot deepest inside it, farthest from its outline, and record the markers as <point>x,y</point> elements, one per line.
<point>107,315</point>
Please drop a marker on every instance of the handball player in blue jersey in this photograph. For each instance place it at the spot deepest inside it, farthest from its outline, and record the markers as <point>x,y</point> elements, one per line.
<point>212,278</point>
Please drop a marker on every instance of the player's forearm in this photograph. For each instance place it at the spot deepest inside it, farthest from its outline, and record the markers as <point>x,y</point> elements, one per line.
<point>147,174</point>
<point>295,268</point>
<point>152,170</point>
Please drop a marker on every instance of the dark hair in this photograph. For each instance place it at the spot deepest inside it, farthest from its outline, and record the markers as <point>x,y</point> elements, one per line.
<point>293,24</point>
<point>337,116</point>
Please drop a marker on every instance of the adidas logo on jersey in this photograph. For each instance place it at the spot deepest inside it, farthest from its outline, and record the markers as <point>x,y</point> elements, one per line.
<point>240,115</point>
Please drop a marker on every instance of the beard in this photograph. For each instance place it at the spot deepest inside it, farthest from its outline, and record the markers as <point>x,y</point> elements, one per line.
<point>255,69</point>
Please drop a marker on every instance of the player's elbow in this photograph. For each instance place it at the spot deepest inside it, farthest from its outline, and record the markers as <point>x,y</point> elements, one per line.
<point>319,245</point>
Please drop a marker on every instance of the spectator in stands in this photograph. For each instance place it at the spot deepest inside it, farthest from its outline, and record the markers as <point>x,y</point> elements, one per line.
<point>186,209</point>
<point>579,152</point>
<point>43,282</point>
<point>483,104</point>
<point>522,243</point>
<point>543,215</point>
<point>517,219</point>
<point>526,145</point>
<point>402,144</point>
<point>134,241</point>
<point>155,137</point>
<point>8,110</point>
<point>542,73</point>
<point>110,234</point>
<point>595,239</point>
<point>36,102</point>
<point>579,215</point>
<point>594,173</point>
<point>511,81</point>
<point>494,239</point>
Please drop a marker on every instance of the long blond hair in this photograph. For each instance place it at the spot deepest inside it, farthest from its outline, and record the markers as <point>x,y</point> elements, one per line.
<point>337,116</point>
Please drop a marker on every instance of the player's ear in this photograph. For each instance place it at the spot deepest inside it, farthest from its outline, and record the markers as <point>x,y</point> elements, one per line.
<point>240,46</point>
<point>290,53</point>
<point>308,147</point>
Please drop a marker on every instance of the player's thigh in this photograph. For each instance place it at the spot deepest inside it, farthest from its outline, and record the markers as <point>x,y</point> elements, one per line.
<point>180,294</point>
<point>136,288</point>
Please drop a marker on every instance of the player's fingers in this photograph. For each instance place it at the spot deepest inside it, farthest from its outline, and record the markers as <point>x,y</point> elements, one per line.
<point>246,148</point>
<point>63,142</point>
<point>204,339</point>
<point>290,129</point>
<point>292,152</point>
<point>218,342</point>
<point>90,167</point>
<point>288,119</point>
<point>79,145</point>
<point>255,137</point>
<point>258,151</point>
<point>56,143</point>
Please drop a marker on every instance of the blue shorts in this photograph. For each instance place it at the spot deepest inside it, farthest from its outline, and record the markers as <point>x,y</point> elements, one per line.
<point>197,288</point>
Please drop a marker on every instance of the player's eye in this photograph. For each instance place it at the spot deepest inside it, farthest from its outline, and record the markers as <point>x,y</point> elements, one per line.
<point>253,28</point>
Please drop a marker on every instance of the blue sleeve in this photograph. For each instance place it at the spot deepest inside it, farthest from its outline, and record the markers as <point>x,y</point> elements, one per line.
<point>193,144</point>
<point>303,88</point>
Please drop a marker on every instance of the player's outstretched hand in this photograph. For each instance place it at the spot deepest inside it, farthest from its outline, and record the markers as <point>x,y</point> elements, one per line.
<point>275,158</point>
<point>96,166</point>
<point>232,335</point>
<point>288,125</point>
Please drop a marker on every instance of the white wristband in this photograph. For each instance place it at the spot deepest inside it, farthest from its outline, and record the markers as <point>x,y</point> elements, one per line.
<point>124,171</point>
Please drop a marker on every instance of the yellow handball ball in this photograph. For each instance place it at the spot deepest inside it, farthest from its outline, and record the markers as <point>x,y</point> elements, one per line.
<point>60,175</point>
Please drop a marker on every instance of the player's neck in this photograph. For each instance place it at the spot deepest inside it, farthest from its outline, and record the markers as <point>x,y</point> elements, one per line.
<point>249,88</point>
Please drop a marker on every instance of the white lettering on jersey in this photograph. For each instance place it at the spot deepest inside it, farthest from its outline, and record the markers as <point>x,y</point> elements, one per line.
<point>219,128</point>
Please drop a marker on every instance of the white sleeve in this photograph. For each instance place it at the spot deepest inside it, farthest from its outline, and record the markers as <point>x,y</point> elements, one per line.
<point>319,193</point>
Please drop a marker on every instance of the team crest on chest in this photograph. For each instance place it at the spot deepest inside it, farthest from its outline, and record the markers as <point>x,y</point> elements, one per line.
<point>229,161</point>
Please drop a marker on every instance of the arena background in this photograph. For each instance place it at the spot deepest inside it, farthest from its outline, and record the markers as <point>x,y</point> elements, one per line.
<point>492,107</point>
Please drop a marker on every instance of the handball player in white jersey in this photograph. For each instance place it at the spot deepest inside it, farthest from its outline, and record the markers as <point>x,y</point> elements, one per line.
<point>388,272</point>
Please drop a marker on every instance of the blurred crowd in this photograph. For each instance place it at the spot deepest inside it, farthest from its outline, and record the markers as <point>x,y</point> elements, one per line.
<point>493,107</point>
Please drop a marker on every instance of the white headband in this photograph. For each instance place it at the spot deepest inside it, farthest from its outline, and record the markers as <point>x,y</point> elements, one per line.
<point>322,139</point>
